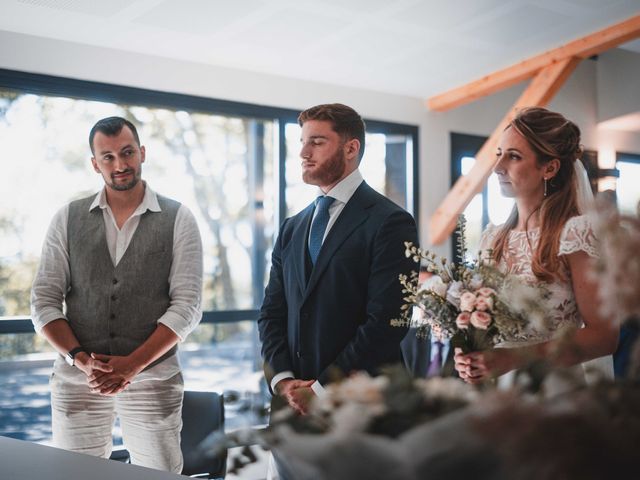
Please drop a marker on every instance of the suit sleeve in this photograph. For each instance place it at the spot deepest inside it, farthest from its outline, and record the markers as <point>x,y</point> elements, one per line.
<point>272,322</point>
<point>376,342</point>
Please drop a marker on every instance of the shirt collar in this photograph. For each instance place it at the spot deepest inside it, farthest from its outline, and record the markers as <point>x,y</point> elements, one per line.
<point>443,341</point>
<point>345,188</point>
<point>149,201</point>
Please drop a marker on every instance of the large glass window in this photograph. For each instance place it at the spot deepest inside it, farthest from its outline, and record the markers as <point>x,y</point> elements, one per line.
<point>234,165</point>
<point>627,191</point>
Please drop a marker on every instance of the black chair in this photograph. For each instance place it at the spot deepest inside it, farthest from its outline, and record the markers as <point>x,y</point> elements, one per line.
<point>202,416</point>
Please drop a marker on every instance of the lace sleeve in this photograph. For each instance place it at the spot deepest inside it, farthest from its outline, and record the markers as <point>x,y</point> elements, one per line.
<point>577,235</point>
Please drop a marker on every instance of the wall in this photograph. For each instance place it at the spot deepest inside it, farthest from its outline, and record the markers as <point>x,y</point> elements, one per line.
<point>38,55</point>
<point>618,84</point>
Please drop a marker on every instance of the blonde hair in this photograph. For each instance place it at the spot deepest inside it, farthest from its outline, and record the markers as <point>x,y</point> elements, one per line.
<point>550,135</point>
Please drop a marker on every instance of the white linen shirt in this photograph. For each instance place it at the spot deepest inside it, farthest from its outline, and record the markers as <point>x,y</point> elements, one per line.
<point>342,193</point>
<point>53,276</point>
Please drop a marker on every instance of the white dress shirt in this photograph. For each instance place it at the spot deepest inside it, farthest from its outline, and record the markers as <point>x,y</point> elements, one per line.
<point>53,276</point>
<point>342,193</point>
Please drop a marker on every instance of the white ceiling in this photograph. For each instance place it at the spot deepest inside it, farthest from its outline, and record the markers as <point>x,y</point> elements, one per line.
<point>410,47</point>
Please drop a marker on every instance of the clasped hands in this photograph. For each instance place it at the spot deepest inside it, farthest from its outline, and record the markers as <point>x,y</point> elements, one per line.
<point>107,374</point>
<point>297,393</point>
<point>478,367</point>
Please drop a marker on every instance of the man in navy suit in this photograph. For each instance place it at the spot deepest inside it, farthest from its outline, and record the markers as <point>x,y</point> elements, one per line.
<point>333,286</point>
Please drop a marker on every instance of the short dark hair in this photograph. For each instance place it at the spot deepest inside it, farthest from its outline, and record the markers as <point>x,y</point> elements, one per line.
<point>345,121</point>
<point>112,126</point>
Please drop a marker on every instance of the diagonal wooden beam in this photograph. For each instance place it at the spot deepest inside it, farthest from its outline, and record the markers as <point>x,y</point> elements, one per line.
<point>539,92</point>
<point>584,47</point>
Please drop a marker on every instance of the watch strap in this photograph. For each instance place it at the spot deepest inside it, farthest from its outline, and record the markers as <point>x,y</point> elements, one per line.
<point>71,354</point>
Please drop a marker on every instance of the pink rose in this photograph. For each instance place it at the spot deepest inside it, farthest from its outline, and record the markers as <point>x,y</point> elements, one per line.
<point>484,303</point>
<point>480,320</point>
<point>485,292</point>
<point>462,320</point>
<point>467,302</point>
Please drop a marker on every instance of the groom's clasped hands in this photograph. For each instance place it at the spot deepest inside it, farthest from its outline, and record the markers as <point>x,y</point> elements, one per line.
<point>297,393</point>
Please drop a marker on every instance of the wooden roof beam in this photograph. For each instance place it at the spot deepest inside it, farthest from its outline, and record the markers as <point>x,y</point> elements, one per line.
<point>584,47</point>
<point>539,92</point>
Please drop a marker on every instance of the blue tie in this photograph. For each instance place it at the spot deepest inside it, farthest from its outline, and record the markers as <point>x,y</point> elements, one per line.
<point>318,226</point>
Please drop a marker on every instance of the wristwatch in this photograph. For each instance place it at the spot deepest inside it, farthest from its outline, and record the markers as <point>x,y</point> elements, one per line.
<point>70,357</point>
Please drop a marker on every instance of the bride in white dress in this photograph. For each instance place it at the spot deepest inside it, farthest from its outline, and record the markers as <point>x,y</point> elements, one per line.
<point>547,238</point>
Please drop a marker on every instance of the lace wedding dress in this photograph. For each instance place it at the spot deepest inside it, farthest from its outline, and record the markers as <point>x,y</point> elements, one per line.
<point>577,235</point>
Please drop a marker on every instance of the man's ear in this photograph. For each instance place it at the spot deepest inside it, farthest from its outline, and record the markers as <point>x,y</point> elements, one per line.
<point>352,148</point>
<point>95,164</point>
<point>143,154</point>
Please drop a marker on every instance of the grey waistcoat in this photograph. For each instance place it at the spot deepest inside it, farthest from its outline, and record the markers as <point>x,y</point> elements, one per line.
<point>113,310</point>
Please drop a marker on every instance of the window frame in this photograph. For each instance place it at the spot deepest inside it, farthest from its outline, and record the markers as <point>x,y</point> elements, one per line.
<point>25,82</point>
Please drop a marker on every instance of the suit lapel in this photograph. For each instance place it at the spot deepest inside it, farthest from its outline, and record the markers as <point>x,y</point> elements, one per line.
<point>355,213</point>
<point>299,246</point>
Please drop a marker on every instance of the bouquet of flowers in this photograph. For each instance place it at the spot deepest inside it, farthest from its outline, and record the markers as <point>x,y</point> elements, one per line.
<point>472,302</point>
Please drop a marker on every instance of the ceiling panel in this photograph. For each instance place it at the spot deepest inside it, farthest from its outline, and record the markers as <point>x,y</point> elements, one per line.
<point>102,9</point>
<point>410,47</point>
<point>197,16</point>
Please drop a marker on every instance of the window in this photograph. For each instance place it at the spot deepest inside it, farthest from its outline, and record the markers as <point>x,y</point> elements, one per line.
<point>232,164</point>
<point>627,192</point>
<point>486,206</point>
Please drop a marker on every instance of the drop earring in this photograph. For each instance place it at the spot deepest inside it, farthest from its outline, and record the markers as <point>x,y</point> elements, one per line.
<point>545,187</point>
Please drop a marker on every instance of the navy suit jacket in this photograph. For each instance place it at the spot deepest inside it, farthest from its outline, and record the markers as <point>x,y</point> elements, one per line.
<point>325,321</point>
<point>417,356</point>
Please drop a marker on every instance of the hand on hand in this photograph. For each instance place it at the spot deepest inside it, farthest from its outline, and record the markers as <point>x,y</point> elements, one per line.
<point>472,367</point>
<point>298,393</point>
<point>478,367</point>
<point>111,382</point>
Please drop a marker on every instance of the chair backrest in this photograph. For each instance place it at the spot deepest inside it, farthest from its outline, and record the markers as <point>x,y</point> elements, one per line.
<point>202,414</point>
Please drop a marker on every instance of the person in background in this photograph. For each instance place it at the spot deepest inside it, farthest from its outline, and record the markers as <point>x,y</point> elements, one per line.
<point>431,355</point>
<point>127,265</point>
<point>547,239</point>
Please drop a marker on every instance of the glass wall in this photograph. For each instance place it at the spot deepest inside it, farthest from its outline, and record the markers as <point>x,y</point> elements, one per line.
<point>234,165</point>
<point>627,191</point>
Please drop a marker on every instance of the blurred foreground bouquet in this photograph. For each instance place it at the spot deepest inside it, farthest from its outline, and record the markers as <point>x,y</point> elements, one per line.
<point>395,427</point>
<point>472,302</point>
<point>618,267</point>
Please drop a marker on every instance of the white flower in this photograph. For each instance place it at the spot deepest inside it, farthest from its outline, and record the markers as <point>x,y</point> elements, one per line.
<point>454,292</point>
<point>476,281</point>
<point>436,285</point>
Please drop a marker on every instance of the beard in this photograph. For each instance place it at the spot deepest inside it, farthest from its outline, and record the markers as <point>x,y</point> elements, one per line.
<point>328,173</point>
<point>121,187</point>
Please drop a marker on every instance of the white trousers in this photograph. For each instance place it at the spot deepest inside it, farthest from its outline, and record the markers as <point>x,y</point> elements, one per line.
<point>150,414</point>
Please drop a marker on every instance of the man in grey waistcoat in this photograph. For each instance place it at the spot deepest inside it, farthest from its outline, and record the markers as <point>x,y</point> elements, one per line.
<point>127,264</point>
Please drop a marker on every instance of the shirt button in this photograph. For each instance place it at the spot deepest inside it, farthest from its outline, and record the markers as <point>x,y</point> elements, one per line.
<point>112,316</point>
<point>113,297</point>
<point>115,280</point>
<point>299,354</point>
<point>112,335</point>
